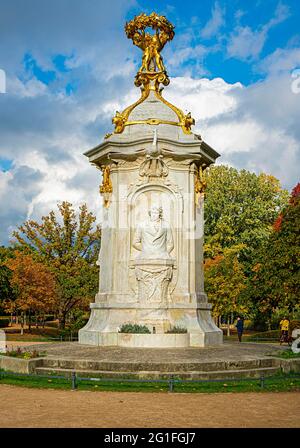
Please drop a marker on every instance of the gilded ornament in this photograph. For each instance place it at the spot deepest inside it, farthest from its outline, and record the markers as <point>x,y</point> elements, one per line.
<point>106,188</point>
<point>152,71</point>
<point>200,184</point>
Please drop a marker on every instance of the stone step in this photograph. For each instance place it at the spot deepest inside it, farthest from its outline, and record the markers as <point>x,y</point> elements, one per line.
<point>122,366</point>
<point>219,374</point>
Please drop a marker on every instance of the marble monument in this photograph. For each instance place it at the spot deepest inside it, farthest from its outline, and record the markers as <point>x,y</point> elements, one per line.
<point>153,182</point>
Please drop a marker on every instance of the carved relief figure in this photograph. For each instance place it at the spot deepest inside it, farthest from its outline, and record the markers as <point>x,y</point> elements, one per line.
<point>154,237</point>
<point>154,265</point>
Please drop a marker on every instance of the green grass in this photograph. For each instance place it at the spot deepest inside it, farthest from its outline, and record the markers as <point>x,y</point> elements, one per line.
<point>287,354</point>
<point>275,384</point>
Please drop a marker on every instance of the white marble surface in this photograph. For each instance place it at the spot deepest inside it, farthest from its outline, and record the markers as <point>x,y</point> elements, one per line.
<point>129,234</point>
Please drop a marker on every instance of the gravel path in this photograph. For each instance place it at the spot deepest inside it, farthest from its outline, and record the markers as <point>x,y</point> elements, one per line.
<point>35,408</point>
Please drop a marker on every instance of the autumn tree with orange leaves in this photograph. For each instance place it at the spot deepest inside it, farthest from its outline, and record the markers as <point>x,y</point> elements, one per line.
<point>34,286</point>
<point>224,282</point>
<point>68,244</point>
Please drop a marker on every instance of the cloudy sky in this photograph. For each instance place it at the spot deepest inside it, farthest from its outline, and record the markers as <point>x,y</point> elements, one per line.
<point>69,66</point>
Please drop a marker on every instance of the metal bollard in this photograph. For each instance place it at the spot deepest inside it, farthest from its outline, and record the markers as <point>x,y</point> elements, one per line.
<point>74,383</point>
<point>171,384</point>
<point>262,381</point>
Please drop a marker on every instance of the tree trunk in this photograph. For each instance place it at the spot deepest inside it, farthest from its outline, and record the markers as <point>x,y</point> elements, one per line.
<point>22,324</point>
<point>228,326</point>
<point>62,321</point>
<point>29,321</point>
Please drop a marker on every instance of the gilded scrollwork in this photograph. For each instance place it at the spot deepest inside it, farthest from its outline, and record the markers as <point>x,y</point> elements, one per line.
<point>200,183</point>
<point>106,187</point>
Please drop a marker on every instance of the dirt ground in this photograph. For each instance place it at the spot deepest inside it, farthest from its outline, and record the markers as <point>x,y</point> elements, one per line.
<point>35,408</point>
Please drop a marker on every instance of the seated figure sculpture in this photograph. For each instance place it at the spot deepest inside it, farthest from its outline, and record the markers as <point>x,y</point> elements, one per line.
<point>154,238</point>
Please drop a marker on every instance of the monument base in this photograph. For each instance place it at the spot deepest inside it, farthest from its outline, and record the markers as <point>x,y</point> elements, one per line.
<point>149,340</point>
<point>104,324</point>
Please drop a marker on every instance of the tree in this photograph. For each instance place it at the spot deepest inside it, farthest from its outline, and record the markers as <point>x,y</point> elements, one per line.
<point>240,208</point>
<point>70,249</point>
<point>275,282</point>
<point>224,282</point>
<point>33,283</point>
<point>6,290</point>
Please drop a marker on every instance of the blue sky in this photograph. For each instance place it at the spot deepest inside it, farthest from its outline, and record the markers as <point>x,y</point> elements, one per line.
<point>69,67</point>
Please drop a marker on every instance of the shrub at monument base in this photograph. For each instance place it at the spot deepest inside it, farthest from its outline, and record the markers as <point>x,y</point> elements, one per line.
<point>134,328</point>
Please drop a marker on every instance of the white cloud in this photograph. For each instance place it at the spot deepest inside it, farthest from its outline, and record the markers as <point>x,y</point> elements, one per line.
<point>245,43</point>
<point>203,97</point>
<point>281,60</point>
<point>215,23</point>
<point>251,127</point>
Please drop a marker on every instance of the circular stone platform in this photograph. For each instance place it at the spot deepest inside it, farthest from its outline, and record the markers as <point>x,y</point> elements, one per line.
<point>231,360</point>
<point>229,351</point>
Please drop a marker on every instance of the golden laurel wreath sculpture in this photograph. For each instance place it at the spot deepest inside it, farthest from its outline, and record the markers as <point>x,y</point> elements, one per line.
<point>152,72</point>
<point>150,44</point>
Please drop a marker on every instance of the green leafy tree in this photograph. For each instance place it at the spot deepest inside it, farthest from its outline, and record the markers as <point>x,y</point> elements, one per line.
<point>69,245</point>
<point>240,208</point>
<point>275,283</point>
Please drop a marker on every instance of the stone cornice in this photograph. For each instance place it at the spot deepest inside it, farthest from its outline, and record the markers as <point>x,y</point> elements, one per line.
<point>115,149</point>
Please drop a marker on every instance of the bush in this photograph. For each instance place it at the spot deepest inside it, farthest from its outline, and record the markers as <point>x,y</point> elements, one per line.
<point>134,328</point>
<point>49,318</point>
<point>4,323</point>
<point>176,329</point>
<point>248,325</point>
<point>20,353</point>
<point>259,323</point>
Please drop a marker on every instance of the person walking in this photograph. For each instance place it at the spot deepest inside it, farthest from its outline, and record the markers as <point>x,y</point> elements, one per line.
<point>240,327</point>
<point>284,328</point>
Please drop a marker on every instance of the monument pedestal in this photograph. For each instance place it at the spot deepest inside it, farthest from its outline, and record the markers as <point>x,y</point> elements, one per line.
<point>196,336</point>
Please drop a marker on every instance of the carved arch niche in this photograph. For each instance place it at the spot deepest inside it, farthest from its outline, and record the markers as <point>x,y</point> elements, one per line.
<point>140,200</point>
